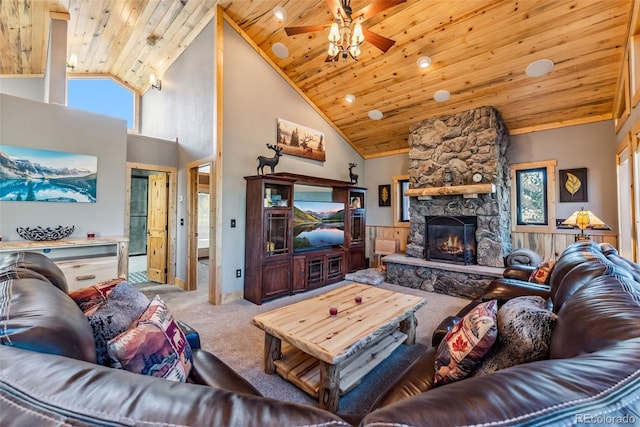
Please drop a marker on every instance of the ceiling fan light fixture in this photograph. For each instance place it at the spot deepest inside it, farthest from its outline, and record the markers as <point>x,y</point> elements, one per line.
<point>375,114</point>
<point>333,49</point>
<point>540,68</point>
<point>354,50</point>
<point>441,95</point>
<point>358,34</point>
<point>350,98</point>
<point>424,62</point>
<point>334,33</point>
<point>280,13</point>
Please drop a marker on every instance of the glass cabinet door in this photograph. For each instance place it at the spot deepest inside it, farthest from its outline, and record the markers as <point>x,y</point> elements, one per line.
<point>357,227</point>
<point>276,233</point>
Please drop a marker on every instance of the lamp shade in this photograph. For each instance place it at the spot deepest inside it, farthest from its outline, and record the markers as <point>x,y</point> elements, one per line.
<point>585,219</point>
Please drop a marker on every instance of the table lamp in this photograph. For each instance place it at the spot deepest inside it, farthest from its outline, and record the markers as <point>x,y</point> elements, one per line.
<point>585,219</point>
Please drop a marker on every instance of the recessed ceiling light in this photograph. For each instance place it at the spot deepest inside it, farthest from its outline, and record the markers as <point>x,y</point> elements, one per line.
<point>280,50</point>
<point>424,62</point>
<point>280,13</point>
<point>441,95</point>
<point>539,68</point>
<point>375,114</point>
<point>350,98</point>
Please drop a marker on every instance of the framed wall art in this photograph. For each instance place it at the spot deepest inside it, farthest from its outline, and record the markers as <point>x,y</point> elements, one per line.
<point>384,195</point>
<point>35,175</point>
<point>301,141</point>
<point>573,185</point>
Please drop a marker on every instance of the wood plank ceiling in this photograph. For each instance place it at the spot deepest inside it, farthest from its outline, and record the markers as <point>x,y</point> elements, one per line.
<point>479,48</point>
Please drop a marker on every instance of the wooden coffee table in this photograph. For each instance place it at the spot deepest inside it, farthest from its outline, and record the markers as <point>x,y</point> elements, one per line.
<point>326,356</point>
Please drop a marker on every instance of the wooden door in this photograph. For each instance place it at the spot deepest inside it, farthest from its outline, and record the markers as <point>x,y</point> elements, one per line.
<point>157,228</point>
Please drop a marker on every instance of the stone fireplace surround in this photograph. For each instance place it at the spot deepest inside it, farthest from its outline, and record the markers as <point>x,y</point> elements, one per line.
<point>444,154</point>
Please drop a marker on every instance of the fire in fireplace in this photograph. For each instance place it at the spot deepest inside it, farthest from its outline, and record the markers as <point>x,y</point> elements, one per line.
<point>451,239</point>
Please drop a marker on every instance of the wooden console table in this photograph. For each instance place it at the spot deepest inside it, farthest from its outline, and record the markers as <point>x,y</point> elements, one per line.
<point>325,355</point>
<point>83,261</point>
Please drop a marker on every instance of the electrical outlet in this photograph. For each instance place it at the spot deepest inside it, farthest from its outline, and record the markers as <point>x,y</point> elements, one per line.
<point>238,273</point>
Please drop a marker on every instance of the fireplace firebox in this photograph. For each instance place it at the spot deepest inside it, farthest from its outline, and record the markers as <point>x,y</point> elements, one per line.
<point>451,239</point>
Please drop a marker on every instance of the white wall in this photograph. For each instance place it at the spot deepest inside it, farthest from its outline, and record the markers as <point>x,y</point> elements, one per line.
<point>255,96</point>
<point>590,146</point>
<point>184,109</point>
<point>25,87</point>
<point>385,169</point>
<point>27,123</point>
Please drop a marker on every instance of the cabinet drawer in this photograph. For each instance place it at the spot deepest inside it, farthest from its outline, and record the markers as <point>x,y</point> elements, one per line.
<point>83,272</point>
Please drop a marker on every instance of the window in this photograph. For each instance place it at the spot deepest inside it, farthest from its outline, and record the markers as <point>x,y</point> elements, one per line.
<point>533,198</point>
<point>531,193</point>
<point>400,201</point>
<point>103,96</point>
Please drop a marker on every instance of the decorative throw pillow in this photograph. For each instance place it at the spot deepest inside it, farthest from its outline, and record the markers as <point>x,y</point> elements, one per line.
<point>464,346</point>
<point>91,297</point>
<point>155,346</point>
<point>524,334</point>
<point>542,272</point>
<point>114,316</point>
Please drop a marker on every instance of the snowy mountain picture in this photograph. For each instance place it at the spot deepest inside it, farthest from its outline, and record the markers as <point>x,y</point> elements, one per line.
<point>34,175</point>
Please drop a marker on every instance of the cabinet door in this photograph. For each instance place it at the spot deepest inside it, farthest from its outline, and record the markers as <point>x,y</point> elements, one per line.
<point>298,281</point>
<point>357,227</point>
<point>276,279</point>
<point>276,232</point>
<point>357,259</point>
<point>315,272</point>
<point>335,267</point>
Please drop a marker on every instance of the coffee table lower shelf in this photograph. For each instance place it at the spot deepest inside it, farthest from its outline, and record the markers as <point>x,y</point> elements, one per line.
<point>303,370</point>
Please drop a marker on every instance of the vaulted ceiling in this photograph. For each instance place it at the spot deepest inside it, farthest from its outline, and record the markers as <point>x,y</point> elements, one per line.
<point>479,51</point>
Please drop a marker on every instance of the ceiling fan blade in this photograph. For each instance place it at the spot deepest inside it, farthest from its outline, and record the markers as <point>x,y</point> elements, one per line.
<point>377,6</point>
<point>292,31</point>
<point>382,43</point>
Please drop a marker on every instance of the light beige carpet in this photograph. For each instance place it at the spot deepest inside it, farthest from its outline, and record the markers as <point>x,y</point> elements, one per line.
<point>227,332</point>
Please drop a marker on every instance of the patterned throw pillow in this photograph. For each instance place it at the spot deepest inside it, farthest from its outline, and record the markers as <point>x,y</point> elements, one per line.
<point>542,272</point>
<point>123,305</point>
<point>464,346</point>
<point>91,297</point>
<point>524,334</point>
<point>155,346</point>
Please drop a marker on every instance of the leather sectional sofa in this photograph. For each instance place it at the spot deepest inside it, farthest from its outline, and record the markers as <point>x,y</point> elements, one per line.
<point>47,374</point>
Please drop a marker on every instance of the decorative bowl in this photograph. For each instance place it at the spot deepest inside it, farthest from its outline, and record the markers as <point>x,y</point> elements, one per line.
<point>45,234</point>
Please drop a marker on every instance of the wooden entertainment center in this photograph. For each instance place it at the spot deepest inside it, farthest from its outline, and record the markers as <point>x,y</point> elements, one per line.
<point>275,264</point>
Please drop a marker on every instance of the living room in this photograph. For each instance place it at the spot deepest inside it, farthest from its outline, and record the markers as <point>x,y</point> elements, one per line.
<point>189,123</point>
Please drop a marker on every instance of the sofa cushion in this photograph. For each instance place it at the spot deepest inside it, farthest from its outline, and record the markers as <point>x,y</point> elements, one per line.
<point>466,344</point>
<point>542,272</point>
<point>154,346</point>
<point>122,307</point>
<point>524,334</point>
<point>37,316</point>
<point>91,297</point>
<point>37,262</point>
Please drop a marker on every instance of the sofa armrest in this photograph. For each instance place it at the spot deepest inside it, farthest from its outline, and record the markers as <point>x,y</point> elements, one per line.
<point>193,337</point>
<point>209,370</point>
<point>506,289</point>
<point>519,272</point>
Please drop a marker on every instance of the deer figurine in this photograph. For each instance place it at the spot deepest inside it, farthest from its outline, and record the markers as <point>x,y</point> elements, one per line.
<point>353,176</point>
<point>269,161</point>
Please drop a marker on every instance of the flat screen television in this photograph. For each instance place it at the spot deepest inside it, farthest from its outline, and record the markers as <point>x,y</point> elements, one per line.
<point>317,225</point>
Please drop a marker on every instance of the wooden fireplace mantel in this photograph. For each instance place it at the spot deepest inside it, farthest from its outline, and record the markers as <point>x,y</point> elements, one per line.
<point>466,191</point>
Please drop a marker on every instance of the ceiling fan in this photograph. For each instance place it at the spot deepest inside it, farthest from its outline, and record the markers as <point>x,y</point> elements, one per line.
<point>346,34</point>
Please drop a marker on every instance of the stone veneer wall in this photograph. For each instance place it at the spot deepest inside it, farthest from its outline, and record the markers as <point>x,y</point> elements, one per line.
<point>465,143</point>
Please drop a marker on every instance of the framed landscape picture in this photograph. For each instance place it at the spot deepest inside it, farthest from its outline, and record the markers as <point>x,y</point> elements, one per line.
<point>35,175</point>
<point>301,141</point>
<point>573,185</point>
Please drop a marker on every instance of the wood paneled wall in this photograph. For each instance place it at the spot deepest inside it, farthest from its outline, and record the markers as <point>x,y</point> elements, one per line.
<point>548,245</point>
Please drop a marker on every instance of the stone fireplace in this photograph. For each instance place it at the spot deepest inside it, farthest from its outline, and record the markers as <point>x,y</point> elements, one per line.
<point>457,169</point>
<point>451,239</point>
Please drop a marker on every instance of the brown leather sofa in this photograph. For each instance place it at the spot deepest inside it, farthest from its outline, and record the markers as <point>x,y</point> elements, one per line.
<point>48,374</point>
<point>592,376</point>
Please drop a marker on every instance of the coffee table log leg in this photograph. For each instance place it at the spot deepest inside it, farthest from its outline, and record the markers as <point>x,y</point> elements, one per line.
<point>408,326</point>
<point>272,351</point>
<point>329,391</point>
